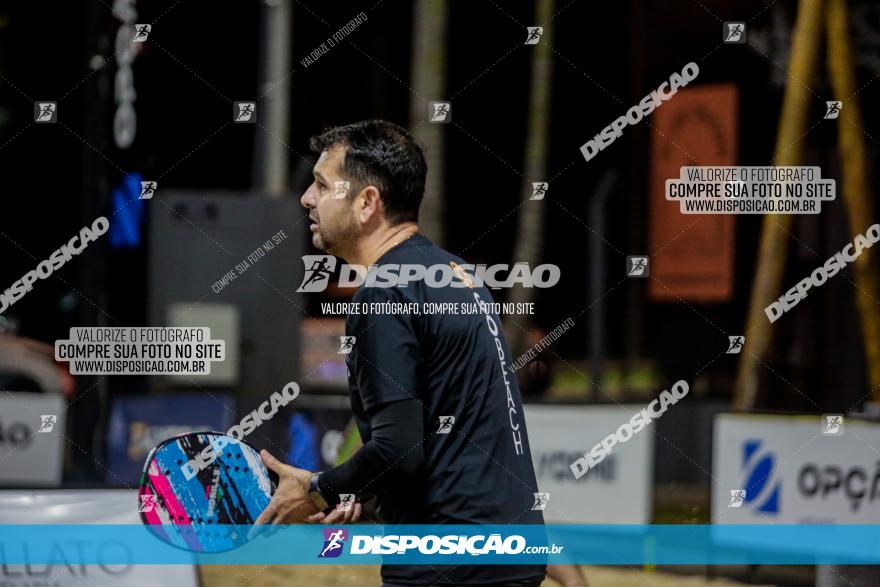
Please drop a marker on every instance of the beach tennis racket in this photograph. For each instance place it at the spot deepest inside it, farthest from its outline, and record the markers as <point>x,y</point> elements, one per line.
<point>203,504</point>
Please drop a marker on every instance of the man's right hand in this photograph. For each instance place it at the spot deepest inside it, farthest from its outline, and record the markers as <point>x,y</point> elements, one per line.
<point>337,516</point>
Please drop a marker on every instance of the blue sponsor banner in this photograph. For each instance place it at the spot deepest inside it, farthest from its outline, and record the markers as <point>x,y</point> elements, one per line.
<point>453,544</point>
<point>138,422</point>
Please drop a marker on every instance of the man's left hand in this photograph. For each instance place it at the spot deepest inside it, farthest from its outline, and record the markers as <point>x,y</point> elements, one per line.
<point>291,502</point>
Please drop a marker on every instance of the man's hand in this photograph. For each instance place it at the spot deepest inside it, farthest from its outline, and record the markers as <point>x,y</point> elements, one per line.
<point>291,502</point>
<point>337,516</point>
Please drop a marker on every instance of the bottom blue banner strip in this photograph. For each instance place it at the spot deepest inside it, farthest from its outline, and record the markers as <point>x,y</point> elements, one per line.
<point>442,544</point>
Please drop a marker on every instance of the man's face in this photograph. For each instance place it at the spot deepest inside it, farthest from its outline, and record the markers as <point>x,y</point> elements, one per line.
<point>333,224</point>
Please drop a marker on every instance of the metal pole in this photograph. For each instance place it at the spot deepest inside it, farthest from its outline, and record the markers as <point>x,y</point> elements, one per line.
<point>273,105</point>
<point>597,283</point>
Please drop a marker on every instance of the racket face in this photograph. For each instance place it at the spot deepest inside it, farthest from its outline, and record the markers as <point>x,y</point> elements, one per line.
<point>203,510</point>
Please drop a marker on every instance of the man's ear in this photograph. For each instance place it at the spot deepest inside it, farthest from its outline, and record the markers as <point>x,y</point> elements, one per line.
<point>370,204</point>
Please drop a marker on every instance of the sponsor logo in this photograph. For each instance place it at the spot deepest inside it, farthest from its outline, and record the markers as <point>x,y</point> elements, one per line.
<point>334,540</point>
<point>212,499</point>
<point>762,489</point>
<point>856,483</point>
<point>553,466</point>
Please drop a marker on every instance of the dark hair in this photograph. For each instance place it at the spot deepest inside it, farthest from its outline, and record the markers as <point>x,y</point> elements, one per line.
<point>384,155</point>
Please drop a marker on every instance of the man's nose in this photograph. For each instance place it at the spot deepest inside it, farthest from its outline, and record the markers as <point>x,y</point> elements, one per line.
<point>308,199</point>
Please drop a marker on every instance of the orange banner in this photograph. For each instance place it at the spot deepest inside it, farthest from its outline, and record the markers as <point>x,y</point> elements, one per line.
<point>691,256</point>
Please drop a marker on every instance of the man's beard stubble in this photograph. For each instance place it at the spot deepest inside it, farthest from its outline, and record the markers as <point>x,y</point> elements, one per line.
<point>339,241</point>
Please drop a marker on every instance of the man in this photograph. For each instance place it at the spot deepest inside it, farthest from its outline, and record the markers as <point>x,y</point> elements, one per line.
<point>439,413</point>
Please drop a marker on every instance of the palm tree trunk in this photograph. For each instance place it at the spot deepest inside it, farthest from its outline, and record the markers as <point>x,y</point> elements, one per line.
<point>428,78</point>
<point>529,246</point>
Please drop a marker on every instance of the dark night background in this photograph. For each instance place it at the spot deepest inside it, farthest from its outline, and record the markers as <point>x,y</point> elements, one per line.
<point>204,55</point>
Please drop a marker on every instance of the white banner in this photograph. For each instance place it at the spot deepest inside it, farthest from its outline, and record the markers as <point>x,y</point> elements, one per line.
<point>795,470</point>
<point>104,506</point>
<point>617,490</point>
<point>31,439</point>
